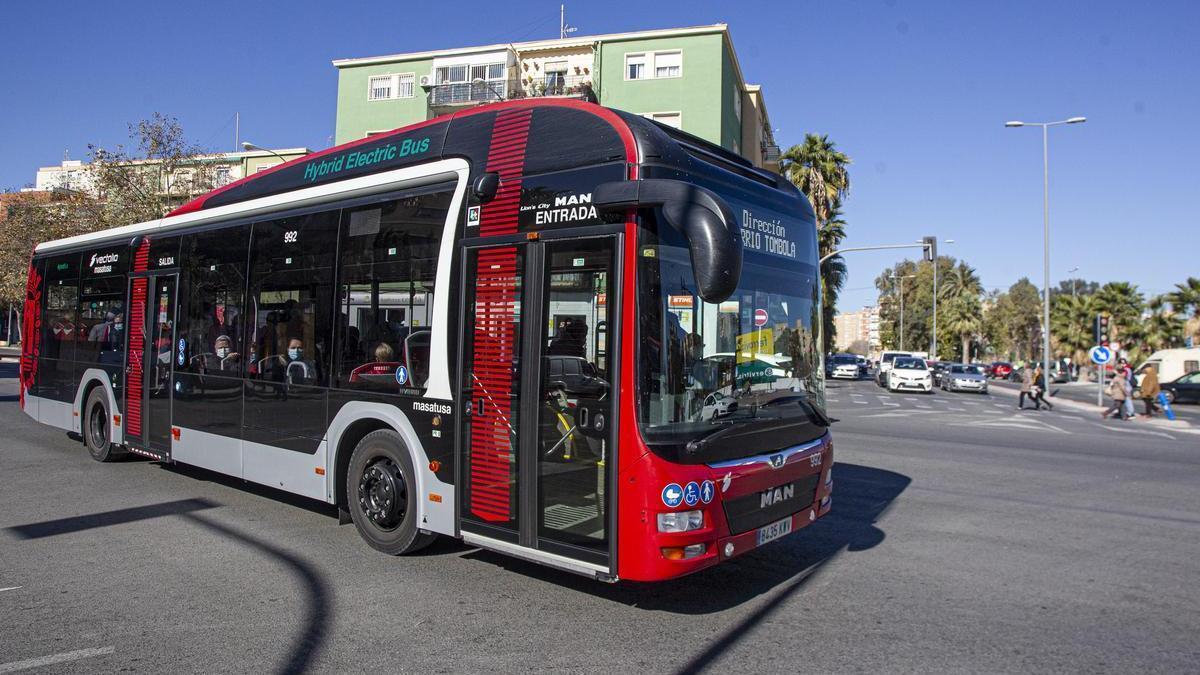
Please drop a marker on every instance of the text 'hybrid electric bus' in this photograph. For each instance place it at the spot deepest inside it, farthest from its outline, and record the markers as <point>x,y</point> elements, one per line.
<point>551,329</point>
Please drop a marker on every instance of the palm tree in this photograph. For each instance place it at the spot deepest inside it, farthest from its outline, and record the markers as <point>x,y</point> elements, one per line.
<point>1187,296</point>
<point>819,171</point>
<point>1072,320</point>
<point>964,318</point>
<point>961,289</point>
<point>1162,328</point>
<point>1123,302</point>
<point>829,237</point>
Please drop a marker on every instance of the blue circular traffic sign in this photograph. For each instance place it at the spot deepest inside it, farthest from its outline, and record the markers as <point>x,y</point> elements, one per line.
<point>1100,355</point>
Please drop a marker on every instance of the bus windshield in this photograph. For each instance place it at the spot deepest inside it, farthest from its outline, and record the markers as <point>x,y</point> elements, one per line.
<point>705,365</point>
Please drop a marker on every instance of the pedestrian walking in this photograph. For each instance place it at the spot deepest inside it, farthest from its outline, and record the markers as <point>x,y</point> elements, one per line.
<point>1148,390</point>
<point>1116,391</point>
<point>1026,388</point>
<point>1039,390</point>
<point>1126,372</point>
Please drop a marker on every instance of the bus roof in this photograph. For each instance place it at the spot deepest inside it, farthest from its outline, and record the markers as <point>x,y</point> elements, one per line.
<point>559,134</point>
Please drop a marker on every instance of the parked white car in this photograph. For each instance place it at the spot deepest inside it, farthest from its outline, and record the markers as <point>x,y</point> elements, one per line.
<point>908,373</point>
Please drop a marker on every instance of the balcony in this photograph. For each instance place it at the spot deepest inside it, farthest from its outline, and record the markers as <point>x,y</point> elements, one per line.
<point>469,93</point>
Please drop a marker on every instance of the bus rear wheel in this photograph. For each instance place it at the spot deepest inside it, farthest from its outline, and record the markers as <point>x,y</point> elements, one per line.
<point>97,432</point>
<point>381,494</point>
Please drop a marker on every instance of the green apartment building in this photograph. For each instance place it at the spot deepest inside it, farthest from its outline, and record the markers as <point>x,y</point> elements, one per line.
<point>684,77</point>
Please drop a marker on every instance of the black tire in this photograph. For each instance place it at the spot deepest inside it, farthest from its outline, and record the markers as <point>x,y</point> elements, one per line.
<point>381,494</point>
<point>97,429</point>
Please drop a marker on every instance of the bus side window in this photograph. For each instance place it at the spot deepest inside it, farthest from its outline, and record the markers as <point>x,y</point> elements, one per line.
<point>60,307</point>
<point>289,307</point>
<point>386,290</point>
<point>211,309</point>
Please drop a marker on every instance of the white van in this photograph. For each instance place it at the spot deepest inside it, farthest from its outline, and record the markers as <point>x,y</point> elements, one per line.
<point>1172,364</point>
<point>885,364</point>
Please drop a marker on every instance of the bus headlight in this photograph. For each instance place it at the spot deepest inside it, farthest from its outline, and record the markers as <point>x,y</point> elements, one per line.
<point>680,521</point>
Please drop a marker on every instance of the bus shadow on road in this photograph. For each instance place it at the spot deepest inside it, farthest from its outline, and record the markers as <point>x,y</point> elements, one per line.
<point>862,496</point>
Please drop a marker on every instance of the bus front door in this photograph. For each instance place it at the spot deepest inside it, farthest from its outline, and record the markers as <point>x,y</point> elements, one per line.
<point>151,358</point>
<point>537,376</point>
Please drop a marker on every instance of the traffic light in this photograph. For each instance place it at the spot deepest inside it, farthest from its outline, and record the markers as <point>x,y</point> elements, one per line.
<point>1101,330</point>
<point>930,248</point>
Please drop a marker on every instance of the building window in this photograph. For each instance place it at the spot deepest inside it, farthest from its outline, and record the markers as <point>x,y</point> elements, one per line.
<point>737,104</point>
<point>221,176</point>
<point>380,87</point>
<point>668,64</point>
<point>635,66</point>
<point>556,77</point>
<point>404,88</point>
<point>264,167</point>
<point>671,119</point>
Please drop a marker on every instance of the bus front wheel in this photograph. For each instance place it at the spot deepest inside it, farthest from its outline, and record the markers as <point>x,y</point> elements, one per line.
<point>97,434</point>
<point>382,496</point>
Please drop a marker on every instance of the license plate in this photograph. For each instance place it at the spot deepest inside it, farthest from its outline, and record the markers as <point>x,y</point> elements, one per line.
<point>774,531</point>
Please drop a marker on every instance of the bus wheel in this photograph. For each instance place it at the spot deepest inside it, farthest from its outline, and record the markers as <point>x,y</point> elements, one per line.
<point>382,496</point>
<point>97,434</point>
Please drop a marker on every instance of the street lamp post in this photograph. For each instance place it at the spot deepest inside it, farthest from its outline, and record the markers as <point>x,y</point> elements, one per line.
<point>1046,231</point>
<point>248,146</point>
<point>1072,272</point>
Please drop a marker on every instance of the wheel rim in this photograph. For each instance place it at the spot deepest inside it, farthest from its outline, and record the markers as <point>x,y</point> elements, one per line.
<point>98,427</point>
<point>383,494</point>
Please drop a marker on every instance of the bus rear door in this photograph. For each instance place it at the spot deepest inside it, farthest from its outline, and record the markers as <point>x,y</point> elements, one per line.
<point>152,355</point>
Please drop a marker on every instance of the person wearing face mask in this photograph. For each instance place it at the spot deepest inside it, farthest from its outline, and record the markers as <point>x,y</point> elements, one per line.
<point>298,370</point>
<point>226,357</point>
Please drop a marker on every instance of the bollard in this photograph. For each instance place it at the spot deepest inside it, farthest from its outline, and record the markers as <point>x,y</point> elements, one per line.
<point>1166,406</point>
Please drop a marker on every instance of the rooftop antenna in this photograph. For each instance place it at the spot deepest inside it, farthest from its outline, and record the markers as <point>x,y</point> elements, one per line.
<point>563,28</point>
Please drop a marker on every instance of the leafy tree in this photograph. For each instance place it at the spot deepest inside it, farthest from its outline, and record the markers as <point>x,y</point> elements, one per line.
<point>163,171</point>
<point>33,217</point>
<point>820,171</point>
<point>918,304</point>
<point>1013,322</point>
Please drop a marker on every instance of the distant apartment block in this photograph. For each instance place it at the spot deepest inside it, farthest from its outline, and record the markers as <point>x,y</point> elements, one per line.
<point>861,326</point>
<point>220,168</point>
<point>688,78</point>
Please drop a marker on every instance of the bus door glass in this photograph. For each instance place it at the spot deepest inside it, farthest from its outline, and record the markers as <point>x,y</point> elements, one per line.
<point>152,357</point>
<point>537,379</point>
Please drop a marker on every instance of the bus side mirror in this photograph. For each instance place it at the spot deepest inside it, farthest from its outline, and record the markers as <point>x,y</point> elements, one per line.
<point>712,231</point>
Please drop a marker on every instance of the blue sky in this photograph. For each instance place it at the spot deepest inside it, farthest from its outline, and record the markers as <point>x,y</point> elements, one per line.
<point>916,93</point>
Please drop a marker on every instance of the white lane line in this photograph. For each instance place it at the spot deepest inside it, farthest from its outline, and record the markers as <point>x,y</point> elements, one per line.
<point>971,403</point>
<point>10,588</point>
<point>14,666</point>
<point>1134,431</point>
<point>910,398</point>
<point>887,403</point>
<point>957,409</point>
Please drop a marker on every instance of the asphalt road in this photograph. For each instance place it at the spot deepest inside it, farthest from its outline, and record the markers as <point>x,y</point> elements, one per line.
<point>965,536</point>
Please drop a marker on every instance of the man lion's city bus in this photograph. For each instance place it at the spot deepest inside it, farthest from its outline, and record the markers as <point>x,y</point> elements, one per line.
<point>550,329</point>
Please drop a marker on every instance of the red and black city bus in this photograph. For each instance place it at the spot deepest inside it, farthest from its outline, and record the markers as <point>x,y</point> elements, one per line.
<point>551,329</point>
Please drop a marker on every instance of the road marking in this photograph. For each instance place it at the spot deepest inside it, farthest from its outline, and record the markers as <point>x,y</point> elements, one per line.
<point>10,588</point>
<point>888,403</point>
<point>14,666</point>
<point>957,409</point>
<point>1135,431</point>
<point>910,398</point>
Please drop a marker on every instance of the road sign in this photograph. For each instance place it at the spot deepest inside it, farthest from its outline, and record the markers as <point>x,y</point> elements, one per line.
<point>760,317</point>
<point>1100,355</point>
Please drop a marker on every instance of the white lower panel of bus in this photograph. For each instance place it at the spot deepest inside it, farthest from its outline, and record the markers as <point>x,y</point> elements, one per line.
<point>553,560</point>
<point>55,413</point>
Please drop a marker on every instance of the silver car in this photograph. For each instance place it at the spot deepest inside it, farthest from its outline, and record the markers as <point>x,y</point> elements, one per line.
<point>963,377</point>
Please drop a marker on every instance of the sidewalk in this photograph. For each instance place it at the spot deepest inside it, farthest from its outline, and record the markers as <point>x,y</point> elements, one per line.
<point>1092,409</point>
